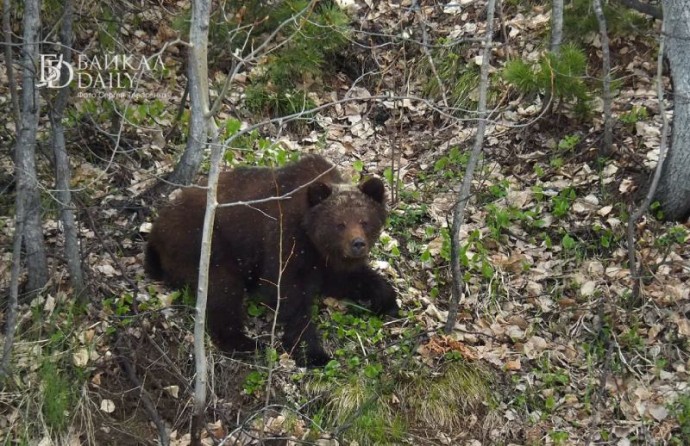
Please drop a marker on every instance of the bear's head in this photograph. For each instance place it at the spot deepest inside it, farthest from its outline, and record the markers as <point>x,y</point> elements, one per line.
<point>344,221</point>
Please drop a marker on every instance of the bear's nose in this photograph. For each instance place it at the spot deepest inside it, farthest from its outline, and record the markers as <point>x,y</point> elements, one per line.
<point>358,247</point>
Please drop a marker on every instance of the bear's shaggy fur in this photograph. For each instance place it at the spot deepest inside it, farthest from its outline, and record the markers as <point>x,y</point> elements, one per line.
<point>327,227</point>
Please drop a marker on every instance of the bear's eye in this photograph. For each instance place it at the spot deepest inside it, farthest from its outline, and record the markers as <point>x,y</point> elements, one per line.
<point>341,226</point>
<point>364,224</point>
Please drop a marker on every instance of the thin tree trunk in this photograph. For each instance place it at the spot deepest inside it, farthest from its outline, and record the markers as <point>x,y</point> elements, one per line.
<point>183,174</point>
<point>25,152</point>
<point>606,66</point>
<point>674,187</point>
<point>62,169</point>
<point>197,72</point>
<point>201,377</point>
<point>556,26</point>
<point>7,32</point>
<point>464,193</point>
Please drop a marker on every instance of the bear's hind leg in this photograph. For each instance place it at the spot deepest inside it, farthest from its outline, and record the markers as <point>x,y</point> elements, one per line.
<point>225,312</point>
<point>301,339</point>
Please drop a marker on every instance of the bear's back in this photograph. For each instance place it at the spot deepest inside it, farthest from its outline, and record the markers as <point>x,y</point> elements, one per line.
<point>255,183</point>
<point>245,235</point>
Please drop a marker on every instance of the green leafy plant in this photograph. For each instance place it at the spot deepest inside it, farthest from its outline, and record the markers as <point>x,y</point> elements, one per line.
<point>656,209</point>
<point>676,235</point>
<point>636,114</point>
<point>255,150</point>
<point>569,142</point>
<point>559,437</point>
<point>568,243</point>
<point>255,309</point>
<point>352,327</point>
<point>254,382</point>
<point>499,219</point>
<point>452,164</point>
<point>563,201</point>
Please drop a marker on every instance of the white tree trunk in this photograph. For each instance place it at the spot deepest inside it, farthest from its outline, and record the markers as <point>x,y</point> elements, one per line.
<point>184,173</point>
<point>25,152</point>
<point>674,187</point>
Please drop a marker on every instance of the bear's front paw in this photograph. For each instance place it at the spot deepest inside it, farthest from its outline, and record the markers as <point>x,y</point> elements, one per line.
<point>312,359</point>
<point>385,303</point>
<point>393,311</point>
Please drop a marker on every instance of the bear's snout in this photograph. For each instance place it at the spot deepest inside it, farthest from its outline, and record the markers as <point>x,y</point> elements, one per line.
<point>358,247</point>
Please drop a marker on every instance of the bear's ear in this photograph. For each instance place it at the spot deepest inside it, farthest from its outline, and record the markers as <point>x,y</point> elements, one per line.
<point>317,192</point>
<point>374,189</point>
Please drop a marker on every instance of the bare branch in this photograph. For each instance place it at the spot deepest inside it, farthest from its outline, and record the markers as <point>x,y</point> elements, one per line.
<point>663,146</point>
<point>285,196</point>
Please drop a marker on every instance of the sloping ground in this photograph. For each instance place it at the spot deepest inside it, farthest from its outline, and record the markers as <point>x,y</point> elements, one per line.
<point>548,348</point>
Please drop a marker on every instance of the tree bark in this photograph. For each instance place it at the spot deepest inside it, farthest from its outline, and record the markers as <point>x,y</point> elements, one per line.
<point>197,72</point>
<point>25,152</point>
<point>62,169</point>
<point>7,32</point>
<point>674,186</point>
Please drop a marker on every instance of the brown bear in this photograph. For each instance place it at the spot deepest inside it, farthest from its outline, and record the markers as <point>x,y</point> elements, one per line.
<point>327,227</point>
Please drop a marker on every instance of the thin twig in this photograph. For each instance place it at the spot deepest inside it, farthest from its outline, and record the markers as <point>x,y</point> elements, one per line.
<point>637,214</point>
<point>275,198</point>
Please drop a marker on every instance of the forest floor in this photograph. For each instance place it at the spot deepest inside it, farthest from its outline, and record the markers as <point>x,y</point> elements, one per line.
<point>549,347</point>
